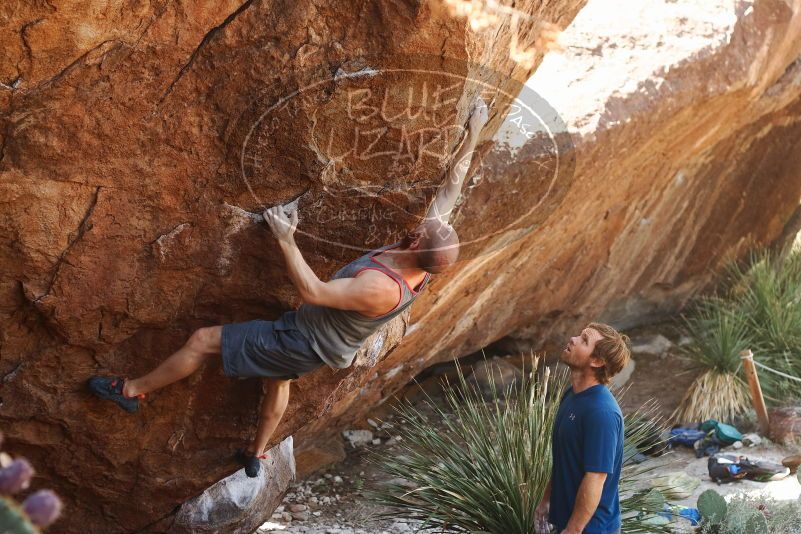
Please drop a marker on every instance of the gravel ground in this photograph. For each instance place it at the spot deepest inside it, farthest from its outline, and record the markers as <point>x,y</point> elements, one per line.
<point>334,501</point>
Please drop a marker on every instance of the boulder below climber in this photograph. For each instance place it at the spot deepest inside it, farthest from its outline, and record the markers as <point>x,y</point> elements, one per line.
<point>236,504</point>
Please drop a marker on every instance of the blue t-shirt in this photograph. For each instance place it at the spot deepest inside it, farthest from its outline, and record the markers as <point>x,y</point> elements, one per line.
<point>587,437</point>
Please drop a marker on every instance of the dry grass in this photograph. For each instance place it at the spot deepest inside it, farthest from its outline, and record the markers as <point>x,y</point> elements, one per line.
<point>713,395</point>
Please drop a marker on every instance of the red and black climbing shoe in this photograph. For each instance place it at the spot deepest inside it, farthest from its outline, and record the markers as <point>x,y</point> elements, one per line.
<point>250,462</point>
<point>110,388</point>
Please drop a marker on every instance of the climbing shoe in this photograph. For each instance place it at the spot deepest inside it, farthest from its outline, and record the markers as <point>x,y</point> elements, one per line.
<point>110,388</point>
<point>250,462</point>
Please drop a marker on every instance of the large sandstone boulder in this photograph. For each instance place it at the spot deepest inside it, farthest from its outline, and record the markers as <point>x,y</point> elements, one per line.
<point>236,504</point>
<point>138,139</point>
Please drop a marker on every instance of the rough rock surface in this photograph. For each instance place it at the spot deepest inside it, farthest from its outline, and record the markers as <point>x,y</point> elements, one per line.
<point>235,504</point>
<point>785,424</point>
<point>318,453</point>
<point>493,378</point>
<point>135,134</point>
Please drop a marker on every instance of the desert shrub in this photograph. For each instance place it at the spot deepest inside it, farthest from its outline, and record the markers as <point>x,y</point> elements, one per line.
<point>766,292</point>
<point>718,335</point>
<point>757,307</point>
<point>752,514</point>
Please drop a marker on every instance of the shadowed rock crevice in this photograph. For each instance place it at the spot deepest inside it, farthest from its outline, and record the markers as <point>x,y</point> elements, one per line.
<point>83,226</point>
<point>206,38</point>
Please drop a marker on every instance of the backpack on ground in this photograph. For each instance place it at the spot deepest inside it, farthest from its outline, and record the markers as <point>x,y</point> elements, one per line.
<point>725,468</point>
<point>726,434</point>
<point>685,436</point>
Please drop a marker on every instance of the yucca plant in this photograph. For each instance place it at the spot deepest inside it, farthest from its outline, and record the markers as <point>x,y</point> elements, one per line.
<point>639,506</point>
<point>645,428</point>
<point>483,465</point>
<point>767,292</point>
<point>718,334</point>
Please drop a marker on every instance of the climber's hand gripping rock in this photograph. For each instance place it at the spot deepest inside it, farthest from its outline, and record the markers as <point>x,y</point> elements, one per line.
<point>282,226</point>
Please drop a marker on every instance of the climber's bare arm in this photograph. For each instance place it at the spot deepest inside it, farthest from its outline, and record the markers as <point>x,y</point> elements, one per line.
<point>370,293</point>
<point>449,191</point>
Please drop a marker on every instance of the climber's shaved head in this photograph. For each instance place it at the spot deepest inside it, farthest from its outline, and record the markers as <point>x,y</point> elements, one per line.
<point>436,245</point>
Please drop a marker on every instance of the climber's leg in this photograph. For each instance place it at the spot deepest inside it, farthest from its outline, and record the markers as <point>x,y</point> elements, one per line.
<point>126,393</point>
<point>273,405</point>
<point>202,344</point>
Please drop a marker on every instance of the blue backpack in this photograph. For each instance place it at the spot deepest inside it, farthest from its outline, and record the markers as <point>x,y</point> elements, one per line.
<point>685,436</point>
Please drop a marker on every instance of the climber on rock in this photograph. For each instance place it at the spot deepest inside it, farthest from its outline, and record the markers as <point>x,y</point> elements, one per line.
<point>336,317</point>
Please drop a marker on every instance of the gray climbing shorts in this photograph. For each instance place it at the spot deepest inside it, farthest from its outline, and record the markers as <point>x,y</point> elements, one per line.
<point>274,349</point>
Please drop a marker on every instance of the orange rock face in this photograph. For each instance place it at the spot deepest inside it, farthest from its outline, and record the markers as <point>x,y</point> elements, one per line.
<point>138,139</point>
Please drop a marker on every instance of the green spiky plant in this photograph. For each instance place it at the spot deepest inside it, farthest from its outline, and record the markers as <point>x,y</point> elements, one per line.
<point>712,507</point>
<point>644,432</point>
<point>644,428</point>
<point>483,464</point>
<point>766,292</point>
<point>718,336</point>
<point>758,307</point>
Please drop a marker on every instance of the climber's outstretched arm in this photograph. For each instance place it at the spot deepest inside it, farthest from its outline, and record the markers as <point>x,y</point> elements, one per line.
<point>449,191</point>
<point>370,293</point>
